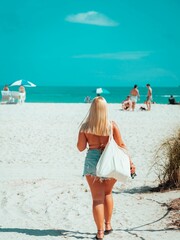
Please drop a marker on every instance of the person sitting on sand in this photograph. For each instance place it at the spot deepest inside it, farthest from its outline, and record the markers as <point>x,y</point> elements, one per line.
<point>127,104</point>
<point>87,99</point>
<point>172,100</point>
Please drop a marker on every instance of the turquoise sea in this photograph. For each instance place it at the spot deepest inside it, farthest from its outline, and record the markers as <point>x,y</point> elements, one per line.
<point>59,94</point>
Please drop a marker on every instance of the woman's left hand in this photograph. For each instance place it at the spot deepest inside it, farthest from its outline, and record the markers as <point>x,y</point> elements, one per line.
<point>132,168</point>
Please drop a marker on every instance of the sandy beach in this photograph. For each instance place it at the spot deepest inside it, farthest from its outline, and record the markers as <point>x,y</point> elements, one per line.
<point>42,192</point>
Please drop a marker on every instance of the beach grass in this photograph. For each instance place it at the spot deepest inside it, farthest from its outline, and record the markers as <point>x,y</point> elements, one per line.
<point>167,162</point>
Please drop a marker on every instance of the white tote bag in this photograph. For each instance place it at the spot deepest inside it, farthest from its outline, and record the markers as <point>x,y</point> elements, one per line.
<point>114,162</point>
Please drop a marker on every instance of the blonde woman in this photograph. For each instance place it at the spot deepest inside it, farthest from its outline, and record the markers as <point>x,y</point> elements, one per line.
<point>94,134</point>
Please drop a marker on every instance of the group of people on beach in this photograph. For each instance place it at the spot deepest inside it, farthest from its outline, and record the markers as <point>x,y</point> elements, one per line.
<point>22,93</point>
<point>130,102</point>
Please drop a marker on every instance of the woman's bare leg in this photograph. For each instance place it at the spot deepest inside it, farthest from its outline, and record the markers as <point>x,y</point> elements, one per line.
<point>108,203</point>
<point>98,194</point>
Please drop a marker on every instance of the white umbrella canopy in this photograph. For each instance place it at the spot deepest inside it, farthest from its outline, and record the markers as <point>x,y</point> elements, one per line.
<point>102,90</point>
<point>22,82</point>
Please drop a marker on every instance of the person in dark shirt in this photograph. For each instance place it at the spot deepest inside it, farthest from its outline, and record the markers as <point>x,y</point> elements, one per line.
<point>172,100</point>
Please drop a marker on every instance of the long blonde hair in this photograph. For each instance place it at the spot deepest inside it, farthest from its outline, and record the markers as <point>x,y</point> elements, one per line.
<point>97,120</point>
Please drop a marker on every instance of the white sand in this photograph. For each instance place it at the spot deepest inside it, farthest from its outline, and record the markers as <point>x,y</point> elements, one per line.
<point>42,193</point>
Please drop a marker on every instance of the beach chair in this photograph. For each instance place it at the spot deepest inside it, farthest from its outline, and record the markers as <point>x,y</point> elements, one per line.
<point>15,96</point>
<point>22,97</point>
<point>18,96</point>
<point>6,97</point>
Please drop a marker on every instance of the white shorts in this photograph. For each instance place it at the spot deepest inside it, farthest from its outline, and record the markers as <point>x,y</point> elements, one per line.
<point>134,98</point>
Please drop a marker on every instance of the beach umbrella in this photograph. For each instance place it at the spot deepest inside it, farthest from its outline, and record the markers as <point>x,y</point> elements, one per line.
<point>101,91</point>
<point>22,82</point>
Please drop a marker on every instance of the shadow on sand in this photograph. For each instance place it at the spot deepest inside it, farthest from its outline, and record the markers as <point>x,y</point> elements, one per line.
<point>85,235</point>
<point>82,235</point>
<point>143,189</point>
<point>49,232</point>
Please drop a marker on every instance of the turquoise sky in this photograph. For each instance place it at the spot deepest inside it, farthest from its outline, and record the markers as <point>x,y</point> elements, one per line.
<point>90,42</point>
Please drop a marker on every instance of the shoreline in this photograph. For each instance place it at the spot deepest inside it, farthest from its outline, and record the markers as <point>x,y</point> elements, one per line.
<point>137,104</point>
<point>59,94</point>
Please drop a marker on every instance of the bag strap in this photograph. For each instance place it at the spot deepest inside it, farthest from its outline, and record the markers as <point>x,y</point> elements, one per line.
<point>111,131</point>
<point>110,134</point>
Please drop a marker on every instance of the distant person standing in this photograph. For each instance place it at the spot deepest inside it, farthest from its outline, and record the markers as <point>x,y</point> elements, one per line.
<point>149,97</point>
<point>22,89</point>
<point>22,94</point>
<point>134,96</point>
